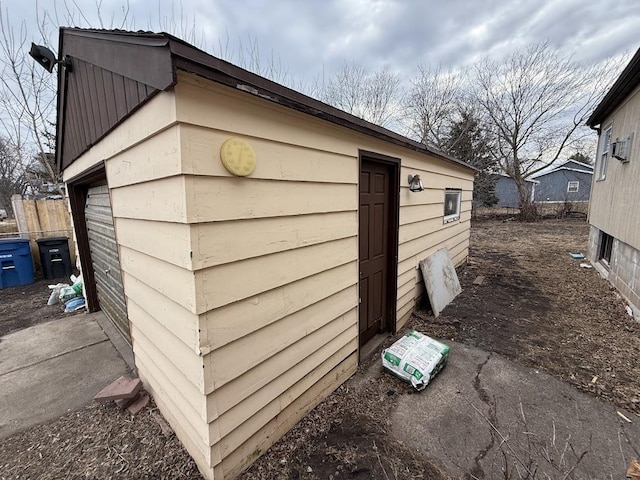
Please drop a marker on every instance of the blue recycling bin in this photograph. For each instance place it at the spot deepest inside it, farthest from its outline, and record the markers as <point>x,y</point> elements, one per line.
<point>16,264</point>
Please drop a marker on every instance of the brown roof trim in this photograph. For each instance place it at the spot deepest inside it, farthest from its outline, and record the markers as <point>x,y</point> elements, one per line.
<point>183,56</point>
<point>628,80</point>
<point>104,62</point>
<point>192,60</point>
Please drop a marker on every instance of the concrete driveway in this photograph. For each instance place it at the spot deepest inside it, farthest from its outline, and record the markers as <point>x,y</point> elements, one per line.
<point>53,368</point>
<point>487,417</point>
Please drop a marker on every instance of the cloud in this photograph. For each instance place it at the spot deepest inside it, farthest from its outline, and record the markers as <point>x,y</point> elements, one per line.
<point>315,36</point>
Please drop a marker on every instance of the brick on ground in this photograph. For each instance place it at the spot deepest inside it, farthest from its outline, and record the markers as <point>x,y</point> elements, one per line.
<point>141,402</point>
<point>121,388</point>
<point>125,402</point>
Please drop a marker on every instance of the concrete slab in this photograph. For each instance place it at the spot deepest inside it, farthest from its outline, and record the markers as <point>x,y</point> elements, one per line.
<point>484,415</point>
<point>47,340</point>
<point>440,280</point>
<point>50,369</point>
<point>52,388</point>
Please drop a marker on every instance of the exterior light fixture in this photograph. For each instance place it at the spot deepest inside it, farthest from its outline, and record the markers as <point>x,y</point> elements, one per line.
<point>47,59</point>
<point>415,183</point>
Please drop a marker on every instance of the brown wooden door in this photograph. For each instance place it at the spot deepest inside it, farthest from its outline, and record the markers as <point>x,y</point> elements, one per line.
<point>375,200</point>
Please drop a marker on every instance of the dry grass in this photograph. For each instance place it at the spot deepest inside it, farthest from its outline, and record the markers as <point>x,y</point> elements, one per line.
<point>100,441</point>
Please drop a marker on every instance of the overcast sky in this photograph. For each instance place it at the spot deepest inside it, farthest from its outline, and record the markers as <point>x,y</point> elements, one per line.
<point>312,36</point>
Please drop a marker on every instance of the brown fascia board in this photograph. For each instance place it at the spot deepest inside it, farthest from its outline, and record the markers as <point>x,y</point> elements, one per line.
<point>138,56</point>
<point>192,60</point>
<point>126,61</point>
<point>628,80</point>
<point>112,50</point>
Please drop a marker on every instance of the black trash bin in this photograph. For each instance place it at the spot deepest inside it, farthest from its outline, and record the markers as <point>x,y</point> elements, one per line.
<point>54,257</point>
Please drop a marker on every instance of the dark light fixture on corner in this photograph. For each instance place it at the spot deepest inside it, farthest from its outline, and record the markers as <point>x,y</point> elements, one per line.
<point>47,59</point>
<point>415,183</point>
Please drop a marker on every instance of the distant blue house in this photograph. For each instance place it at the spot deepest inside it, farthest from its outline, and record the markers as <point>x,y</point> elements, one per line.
<point>569,182</point>
<point>507,192</point>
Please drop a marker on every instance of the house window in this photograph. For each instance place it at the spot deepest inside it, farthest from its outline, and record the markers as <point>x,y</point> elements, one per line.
<point>604,153</point>
<point>452,199</point>
<point>572,187</point>
<point>606,245</point>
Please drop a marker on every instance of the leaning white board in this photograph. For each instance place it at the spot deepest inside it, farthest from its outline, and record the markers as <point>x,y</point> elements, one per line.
<point>440,279</point>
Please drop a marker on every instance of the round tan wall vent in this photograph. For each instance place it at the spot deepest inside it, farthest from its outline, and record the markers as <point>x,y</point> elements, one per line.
<point>238,157</point>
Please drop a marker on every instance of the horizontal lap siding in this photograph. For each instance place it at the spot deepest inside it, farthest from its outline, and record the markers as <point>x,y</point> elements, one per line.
<point>268,307</point>
<point>224,284</point>
<point>275,262</point>
<point>276,304</point>
<point>423,231</point>
<point>166,343</point>
<point>243,292</point>
<point>217,199</point>
<point>143,168</point>
<point>229,241</point>
<point>251,449</point>
<point>236,426</point>
<point>156,116</point>
<point>182,323</point>
<point>275,258</point>
<point>149,208</point>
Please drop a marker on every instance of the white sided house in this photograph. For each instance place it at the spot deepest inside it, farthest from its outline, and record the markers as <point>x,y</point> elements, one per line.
<point>614,212</point>
<point>247,240</point>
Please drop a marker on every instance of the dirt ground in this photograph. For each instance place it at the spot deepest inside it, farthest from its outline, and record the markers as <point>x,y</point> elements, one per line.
<point>97,442</point>
<point>25,306</point>
<point>536,307</point>
<point>539,308</point>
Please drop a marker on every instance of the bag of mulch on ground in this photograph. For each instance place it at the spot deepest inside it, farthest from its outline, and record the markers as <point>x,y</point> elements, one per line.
<point>55,293</point>
<point>415,358</point>
<point>67,293</point>
<point>77,285</point>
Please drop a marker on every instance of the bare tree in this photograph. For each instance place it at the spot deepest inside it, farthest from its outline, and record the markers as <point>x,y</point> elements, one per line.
<point>534,103</point>
<point>432,104</point>
<point>27,98</point>
<point>28,92</point>
<point>372,96</point>
<point>12,175</point>
<point>466,139</point>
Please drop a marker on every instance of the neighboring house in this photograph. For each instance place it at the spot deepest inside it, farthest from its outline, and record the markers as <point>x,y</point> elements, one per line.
<point>507,191</point>
<point>247,240</point>
<point>569,182</point>
<point>614,213</point>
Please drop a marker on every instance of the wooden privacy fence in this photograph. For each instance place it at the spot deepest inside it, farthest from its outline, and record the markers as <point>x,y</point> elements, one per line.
<point>43,218</point>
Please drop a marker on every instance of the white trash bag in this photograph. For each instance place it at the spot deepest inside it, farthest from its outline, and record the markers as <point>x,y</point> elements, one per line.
<point>55,293</point>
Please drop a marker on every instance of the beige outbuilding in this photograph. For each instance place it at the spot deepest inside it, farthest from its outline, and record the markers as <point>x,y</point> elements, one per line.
<point>246,239</point>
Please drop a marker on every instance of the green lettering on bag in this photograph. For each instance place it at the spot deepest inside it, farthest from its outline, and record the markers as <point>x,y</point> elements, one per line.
<point>392,359</point>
